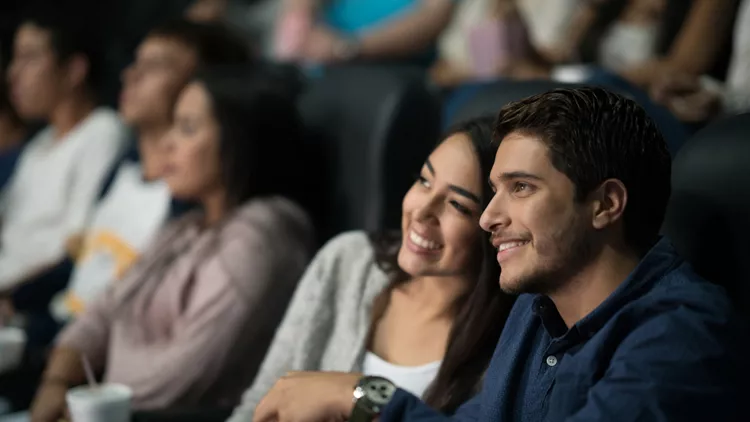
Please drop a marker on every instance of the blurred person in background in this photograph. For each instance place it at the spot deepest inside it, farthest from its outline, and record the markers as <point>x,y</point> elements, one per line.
<point>491,39</point>
<point>696,98</point>
<point>254,19</point>
<point>138,201</point>
<point>698,43</point>
<point>624,36</point>
<point>421,307</point>
<point>339,31</point>
<point>53,76</point>
<point>486,40</point>
<point>12,134</point>
<point>190,322</point>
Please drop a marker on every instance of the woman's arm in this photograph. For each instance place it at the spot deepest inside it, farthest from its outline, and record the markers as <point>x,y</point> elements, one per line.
<point>696,47</point>
<point>702,36</point>
<point>409,34</point>
<point>305,332</point>
<point>88,336</point>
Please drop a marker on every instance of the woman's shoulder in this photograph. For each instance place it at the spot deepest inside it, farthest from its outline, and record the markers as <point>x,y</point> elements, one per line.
<point>347,257</point>
<point>275,210</point>
<point>275,220</point>
<point>349,243</point>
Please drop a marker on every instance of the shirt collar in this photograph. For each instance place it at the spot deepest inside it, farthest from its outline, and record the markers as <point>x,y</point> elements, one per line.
<point>658,262</point>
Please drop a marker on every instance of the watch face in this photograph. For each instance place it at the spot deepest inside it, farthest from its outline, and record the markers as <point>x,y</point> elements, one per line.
<point>379,391</point>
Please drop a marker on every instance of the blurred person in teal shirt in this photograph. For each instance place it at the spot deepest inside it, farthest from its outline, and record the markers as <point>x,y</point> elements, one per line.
<point>325,32</point>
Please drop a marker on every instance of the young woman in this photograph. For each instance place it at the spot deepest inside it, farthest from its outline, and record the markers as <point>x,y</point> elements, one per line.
<point>422,308</point>
<point>190,322</point>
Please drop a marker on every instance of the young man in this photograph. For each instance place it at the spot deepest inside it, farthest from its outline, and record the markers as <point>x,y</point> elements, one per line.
<point>610,324</point>
<point>53,76</point>
<point>137,201</point>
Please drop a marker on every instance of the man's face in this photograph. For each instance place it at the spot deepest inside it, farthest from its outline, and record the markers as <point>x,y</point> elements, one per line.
<point>152,84</point>
<point>35,78</point>
<point>543,235</point>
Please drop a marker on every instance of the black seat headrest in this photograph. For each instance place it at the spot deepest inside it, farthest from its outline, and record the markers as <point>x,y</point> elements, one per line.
<point>374,127</point>
<point>708,217</point>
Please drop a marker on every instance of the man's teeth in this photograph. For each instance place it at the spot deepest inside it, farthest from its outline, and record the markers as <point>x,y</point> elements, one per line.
<point>422,242</point>
<point>507,245</point>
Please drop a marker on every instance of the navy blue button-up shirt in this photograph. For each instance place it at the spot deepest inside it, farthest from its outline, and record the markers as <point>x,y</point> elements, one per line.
<point>665,346</point>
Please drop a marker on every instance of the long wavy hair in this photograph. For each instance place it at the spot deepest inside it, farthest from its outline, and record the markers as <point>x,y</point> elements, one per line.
<point>480,313</point>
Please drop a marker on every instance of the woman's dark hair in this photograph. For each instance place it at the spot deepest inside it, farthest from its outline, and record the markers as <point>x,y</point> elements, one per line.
<point>6,107</point>
<point>261,134</point>
<point>480,314</point>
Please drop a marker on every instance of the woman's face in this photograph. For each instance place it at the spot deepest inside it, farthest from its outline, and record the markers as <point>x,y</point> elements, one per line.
<point>440,220</point>
<point>193,162</point>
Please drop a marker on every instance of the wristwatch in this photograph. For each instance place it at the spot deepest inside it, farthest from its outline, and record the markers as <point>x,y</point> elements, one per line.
<point>371,395</point>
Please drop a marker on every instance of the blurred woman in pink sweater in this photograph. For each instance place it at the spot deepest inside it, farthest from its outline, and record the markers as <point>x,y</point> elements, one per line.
<point>191,321</point>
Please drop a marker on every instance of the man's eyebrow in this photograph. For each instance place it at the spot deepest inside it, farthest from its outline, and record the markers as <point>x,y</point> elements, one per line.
<point>517,175</point>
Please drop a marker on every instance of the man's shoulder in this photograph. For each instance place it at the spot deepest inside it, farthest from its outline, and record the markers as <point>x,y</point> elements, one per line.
<point>684,311</point>
<point>103,122</point>
<point>683,288</point>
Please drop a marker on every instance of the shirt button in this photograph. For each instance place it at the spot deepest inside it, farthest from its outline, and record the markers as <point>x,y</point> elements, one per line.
<point>551,360</point>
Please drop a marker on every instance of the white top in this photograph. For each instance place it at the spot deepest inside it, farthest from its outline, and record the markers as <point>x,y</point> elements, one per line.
<point>548,21</point>
<point>626,45</point>
<point>123,225</point>
<point>737,92</point>
<point>414,379</point>
<point>53,192</point>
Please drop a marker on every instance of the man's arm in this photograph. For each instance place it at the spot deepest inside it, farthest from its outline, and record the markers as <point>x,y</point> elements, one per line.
<point>405,407</point>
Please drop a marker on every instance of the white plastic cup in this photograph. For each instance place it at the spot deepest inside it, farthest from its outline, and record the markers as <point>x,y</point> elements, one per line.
<point>12,344</point>
<point>103,403</point>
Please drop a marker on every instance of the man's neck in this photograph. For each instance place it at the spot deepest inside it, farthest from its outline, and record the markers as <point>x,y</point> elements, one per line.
<point>69,113</point>
<point>591,286</point>
<point>149,149</point>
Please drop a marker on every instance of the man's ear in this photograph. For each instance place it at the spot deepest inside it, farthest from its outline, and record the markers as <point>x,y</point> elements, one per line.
<point>77,70</point>
<point>609,202</point>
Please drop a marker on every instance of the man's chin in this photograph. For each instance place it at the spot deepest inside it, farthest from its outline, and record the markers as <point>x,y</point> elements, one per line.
<point>512,286</point>
<point>516,285</point>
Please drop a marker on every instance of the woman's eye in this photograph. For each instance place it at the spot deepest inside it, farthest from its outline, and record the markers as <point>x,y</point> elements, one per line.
<point>462,209</point>
<point>422,181</point>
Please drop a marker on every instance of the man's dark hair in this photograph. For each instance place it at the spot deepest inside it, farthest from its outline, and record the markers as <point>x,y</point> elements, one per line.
<point>74,28</point>
<point>594,135</point>
<point>214,43</point>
